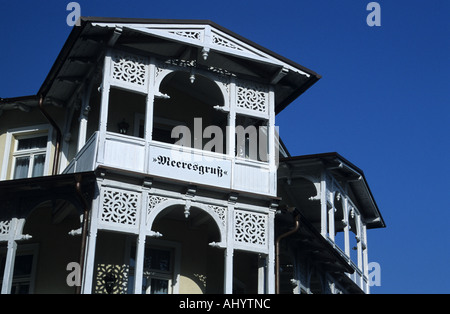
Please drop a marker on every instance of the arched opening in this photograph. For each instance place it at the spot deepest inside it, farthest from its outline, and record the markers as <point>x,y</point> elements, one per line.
<point>42,262</point>
<point>184,102</point>
<point>189,263</point>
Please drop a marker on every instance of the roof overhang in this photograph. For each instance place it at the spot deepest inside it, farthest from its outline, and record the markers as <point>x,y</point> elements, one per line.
<point>343,170</point>
<point>18,197</point>
<point>24,103</point>
<point>168,40</point>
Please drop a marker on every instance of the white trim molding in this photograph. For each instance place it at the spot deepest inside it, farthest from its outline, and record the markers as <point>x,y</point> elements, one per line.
<point>11,138</point>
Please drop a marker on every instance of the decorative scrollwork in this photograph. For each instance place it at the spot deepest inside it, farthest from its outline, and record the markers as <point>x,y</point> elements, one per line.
<point>182,63</point>
<point>252,97</point>
<point>221,41</point>
<point>154,200</point>
<point>4,227</point>
<point>202,279</point>
<point>129,69</point>
<point>250,228</point>
<point>111,279</point>
<point>119,207</point>
<point>196,35</point>
<point>220,211</point>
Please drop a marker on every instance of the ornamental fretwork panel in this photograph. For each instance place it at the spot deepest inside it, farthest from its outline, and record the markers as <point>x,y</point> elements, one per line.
<point>129,71</point>
<point>119,208</point>
<point>111,279</point>
<point>250,229</point>
<point>191,34</point>
<point>122,210</point>
<point>132,72</point>
<point>252,98</point>
<point>153,201</point>
<point>221,212</point>
<point>4,228</point>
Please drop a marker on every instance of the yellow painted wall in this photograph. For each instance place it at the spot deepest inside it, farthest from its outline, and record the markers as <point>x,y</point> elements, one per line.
<point>13,119</point>
<point>197,257</point>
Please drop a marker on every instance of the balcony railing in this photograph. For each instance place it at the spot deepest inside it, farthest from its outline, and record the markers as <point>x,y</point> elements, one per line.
<point>86,158</point>
<point>175,162</point>
<point>357,276</point>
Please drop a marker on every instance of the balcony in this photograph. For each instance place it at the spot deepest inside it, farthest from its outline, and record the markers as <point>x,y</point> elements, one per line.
<point>357,276</point>
<point>174,162</point>
<point>333,195</point>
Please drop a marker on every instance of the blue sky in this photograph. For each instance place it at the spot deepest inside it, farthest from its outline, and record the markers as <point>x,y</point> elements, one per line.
<point>383,102</point>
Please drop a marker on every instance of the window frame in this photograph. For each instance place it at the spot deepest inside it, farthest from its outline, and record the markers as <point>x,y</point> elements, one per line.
<point>10,154</point>
<point>148,288</point>
<point>23,250</point>
<point>172,276</point>
<point>166,275</point>
<point>30,153</point>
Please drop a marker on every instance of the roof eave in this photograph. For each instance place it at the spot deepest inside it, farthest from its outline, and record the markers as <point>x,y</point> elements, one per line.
<point>62,56</point>
<point>378,222</point>
<point>84,21</point>
<point>311,81</point>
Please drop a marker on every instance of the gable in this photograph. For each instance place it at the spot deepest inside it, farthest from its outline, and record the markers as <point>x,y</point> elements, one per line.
<point>203,44</point>
<point>208,38</point>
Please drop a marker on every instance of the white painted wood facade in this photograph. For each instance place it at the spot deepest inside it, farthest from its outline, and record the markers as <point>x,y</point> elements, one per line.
<point>140,154</point>
<point>145,182</point>
<point>337,202</point>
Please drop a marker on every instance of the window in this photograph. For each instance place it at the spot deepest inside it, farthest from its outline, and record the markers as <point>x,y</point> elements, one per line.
<point>158,270</point>
<point>26,152</point>
<point>29,157</point>
<point>23,269</point>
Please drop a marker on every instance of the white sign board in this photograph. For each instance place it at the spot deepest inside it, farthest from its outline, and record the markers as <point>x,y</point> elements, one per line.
<point>192,167</point>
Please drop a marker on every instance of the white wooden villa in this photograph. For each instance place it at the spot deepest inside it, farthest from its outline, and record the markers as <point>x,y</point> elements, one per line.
<point>98,196</point>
